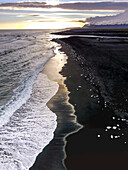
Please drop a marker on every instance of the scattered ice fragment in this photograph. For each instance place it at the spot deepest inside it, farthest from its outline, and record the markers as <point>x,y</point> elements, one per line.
<point>98,136</point>
<point>117,136</point>
<point>91,95</point>
<point>111,136</point>
<point>114,127</point>
<point>113,118</point>
<point>122,134</point>
<point>79,86</point>
<point>81,75</point>
<point>108,127</point>
<point>118,125</point>
<point>90,89</point>
<point>123,119</point>
<point>105,104</point>
<point>125,142</point>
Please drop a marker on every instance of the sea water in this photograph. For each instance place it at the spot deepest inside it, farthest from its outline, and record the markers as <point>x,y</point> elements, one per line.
<point>26,123</point>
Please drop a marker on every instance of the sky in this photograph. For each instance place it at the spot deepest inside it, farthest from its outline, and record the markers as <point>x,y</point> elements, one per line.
<point>10,1</point>
<point>55,14</point>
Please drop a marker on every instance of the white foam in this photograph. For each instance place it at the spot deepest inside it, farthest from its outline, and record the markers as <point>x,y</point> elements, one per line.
<point>22,94</point>
<point>30,128</point>
<point>26,123</point>
<point>37,56</point>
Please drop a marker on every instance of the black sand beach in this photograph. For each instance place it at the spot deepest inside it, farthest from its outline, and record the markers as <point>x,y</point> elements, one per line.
<point>121,32</point>
<point>96,80</point>
<point>97,77</point>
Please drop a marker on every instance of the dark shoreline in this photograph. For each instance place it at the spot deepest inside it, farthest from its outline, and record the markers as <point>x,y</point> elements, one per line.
<point>53,155</point>
<point>101,67</point>
<point>121,32</point>
<point>94,69</point>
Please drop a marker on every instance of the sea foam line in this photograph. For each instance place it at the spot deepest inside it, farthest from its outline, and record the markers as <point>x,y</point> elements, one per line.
<point>30,128</point>
<point>21,95</point>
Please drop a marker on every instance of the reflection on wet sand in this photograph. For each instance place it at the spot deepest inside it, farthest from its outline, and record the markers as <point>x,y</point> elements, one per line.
<point>53,155</point>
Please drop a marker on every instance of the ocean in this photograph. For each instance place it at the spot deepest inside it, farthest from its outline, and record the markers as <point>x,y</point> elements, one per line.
<point>26,123</point>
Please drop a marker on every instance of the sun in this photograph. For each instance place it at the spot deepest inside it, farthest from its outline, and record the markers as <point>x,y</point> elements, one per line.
<point>52,2</point>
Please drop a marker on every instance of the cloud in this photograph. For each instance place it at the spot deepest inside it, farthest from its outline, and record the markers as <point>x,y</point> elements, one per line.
<point>26,15</point>
<point>59,20</point>
<point>78,20</point>
<point>25,4</point>
<point>35,15</point>
<point>72,6</point>
<point>95,6</point>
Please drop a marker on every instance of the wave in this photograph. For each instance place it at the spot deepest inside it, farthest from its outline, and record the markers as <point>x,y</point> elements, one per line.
<point>30,128</point>
<point>21,94</point>
<point>26,123</point>
<point>20,69</point>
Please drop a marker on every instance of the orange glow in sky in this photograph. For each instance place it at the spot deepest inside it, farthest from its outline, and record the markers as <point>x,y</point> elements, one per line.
<point>52,25</point>
<point>41,25</point>
<point>50,18</point>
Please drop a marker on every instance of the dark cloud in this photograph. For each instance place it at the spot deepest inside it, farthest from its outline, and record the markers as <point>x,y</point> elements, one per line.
<point>26,4</point>
<point>95,6</point>
<point>82,21</point>
<point>50,20</point>
<point>73,6</point>
<point>35,15</point>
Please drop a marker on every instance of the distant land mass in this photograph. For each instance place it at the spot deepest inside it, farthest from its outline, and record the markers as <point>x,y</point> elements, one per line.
<point>107,26</point>
<point>115,21</point>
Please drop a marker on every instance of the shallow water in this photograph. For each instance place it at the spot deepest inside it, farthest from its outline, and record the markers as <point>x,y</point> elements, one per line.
<point>26,123</point>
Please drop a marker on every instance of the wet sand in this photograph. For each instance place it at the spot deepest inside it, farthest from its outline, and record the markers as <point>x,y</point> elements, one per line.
<point>53,155</point>
<point>97,78</point>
